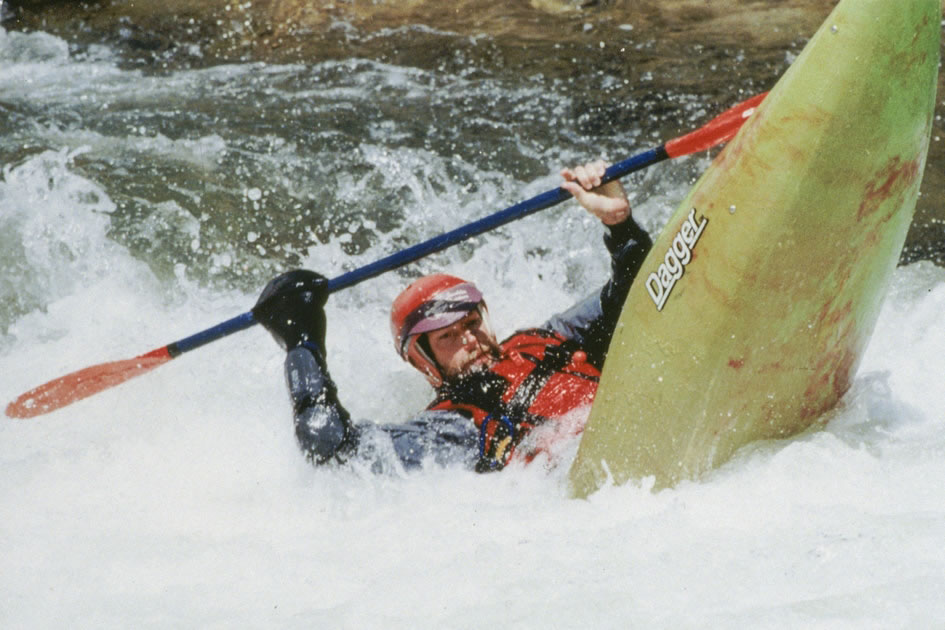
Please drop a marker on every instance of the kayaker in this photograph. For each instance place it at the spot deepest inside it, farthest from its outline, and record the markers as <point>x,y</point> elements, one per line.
<point>490,395</point>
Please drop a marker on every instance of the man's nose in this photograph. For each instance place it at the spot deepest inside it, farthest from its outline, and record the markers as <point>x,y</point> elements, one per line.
<point>469,337</point>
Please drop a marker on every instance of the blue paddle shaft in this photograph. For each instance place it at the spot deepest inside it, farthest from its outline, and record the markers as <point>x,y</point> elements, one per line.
<point>431,246</point>
<point>498,219</point>
<point>230,326</point>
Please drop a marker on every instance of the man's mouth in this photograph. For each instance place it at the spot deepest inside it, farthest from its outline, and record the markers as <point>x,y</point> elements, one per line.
<point>482,358</point>
<point>478,359</point>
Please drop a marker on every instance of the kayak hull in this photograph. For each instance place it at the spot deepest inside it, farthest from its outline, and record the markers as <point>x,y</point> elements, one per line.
<point>751,314</point>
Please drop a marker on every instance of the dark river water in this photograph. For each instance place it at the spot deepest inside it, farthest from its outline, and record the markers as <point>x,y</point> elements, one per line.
<point>228,139</point>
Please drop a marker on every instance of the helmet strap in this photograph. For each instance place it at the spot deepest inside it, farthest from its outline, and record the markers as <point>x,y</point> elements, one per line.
<point>424,342</point>
<point>423,347</point>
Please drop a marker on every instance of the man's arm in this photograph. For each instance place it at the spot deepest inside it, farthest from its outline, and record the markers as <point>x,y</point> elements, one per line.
<point>592,321</point>
<point>291,308</point>
<point>322,425</point>
<point>325,432</point>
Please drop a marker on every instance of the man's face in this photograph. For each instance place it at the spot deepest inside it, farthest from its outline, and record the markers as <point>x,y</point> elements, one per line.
<point>463,345</point>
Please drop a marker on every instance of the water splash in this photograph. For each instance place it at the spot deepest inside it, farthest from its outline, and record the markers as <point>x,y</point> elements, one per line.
<point>53,229</point>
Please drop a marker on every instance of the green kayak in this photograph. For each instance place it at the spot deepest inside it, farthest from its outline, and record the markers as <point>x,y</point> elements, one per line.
<point>751,314</point>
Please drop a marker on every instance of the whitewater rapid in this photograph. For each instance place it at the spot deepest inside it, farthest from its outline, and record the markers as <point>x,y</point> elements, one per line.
<point>180,499</point>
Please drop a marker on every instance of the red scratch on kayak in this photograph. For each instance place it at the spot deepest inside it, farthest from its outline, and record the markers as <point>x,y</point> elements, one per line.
<point>736,363</point>
<point>915,55</point>
<point>831,376</point>
<point>895,177</point>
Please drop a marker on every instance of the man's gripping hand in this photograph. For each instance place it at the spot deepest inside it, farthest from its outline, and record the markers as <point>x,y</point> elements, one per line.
<point>292,308</point>
<point>608,202</point>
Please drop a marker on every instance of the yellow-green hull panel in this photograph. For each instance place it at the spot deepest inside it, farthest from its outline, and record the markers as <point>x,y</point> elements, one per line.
<point>751,313</point>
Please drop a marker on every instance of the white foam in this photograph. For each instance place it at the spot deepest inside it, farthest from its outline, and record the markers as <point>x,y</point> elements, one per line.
<point>181,498</point>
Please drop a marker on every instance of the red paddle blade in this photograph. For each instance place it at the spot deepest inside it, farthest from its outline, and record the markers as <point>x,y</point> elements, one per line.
<point>720,129</point>
<point>67,389</point>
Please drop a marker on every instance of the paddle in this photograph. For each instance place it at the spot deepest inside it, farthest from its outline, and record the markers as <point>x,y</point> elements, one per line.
<point>94,379</point>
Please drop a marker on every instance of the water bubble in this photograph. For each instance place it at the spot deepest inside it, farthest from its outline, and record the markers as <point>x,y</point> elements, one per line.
<point>731,209</point>
<point>251,237</point>
<point>221,260</point>
<point>834,29</point>
<point>254,194</point>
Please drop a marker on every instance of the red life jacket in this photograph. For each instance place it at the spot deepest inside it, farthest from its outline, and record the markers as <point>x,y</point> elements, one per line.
<point>541,376</point>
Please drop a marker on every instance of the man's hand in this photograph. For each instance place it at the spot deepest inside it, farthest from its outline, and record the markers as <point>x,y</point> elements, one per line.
<point>608,202</point>
<point>292,308</point>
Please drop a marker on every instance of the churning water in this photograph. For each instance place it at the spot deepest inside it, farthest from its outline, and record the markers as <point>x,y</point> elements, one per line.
<point>137,208</point>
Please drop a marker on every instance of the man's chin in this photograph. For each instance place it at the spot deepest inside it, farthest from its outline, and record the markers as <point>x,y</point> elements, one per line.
<point>480,365</point>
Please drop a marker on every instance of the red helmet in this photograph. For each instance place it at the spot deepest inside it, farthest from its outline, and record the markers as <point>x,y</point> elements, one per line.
<point>430,303</point>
